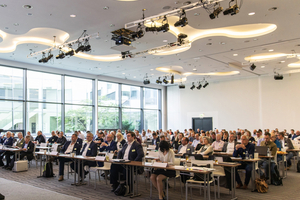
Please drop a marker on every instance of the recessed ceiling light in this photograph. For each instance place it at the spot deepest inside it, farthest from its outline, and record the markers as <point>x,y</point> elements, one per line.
<point>152,74</point>
<point>105,8</point>
<point>200,49</point>
<point>165,40</point>
<point>195,69</point>
<point>166,7</point>
<point>222,43</point>
<point>151,69</point>
<point>72,15</point>
<point>134,77</point>
<point>29,14</point>
<point>27,6</point>
<point>112,25</point>
<point>271,50</point>
<point>35,46</point>
<point>196,14</point>
<point>282,61</point>
<point>263,66</point>
<point>123,73</point>
<point>252,13</point>
<point>3,5</point>
<point>255,39</point>
<point>209,43</point>
<point>272,9</point>
<point>235,54</point>
<point>16,24</point>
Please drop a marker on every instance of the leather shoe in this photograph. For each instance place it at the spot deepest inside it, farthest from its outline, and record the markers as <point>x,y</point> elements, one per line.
<point>239,186</point>
<point>61,178</point>
<point>114,187</point>
<point>245,187</point>
<point>9,168</point>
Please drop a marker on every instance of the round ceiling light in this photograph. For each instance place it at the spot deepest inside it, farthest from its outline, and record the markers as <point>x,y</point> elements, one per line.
<point>105,8</point>
<point>252,13</point>
<point>72,15</point>
<point>3,5</point>
<point>27,6</point>
<point>16,24</point>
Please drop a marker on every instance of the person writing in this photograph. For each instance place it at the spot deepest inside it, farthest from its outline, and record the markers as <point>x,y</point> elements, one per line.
<point>166,155</point>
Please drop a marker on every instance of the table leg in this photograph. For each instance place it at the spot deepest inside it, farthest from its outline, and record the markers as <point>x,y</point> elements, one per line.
<point>74,173</point>
<point>208,188</point>
<point>285,166</point>
<point>269,181</point>
<point>233,183</point>
<point>253,176</point>
<point>204,186</point>
<point>127,178</point>
<point>40,166</point>
<point>78,174</point>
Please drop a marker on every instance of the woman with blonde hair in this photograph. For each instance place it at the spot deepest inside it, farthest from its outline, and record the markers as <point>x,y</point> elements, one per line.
<point>120,141</point>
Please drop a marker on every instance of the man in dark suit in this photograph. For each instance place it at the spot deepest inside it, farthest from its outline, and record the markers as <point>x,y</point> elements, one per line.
<point>109,144</point>
<point>28,148</point>
<point>155,141</point>
<point>19,144</point>
<point>8,141</point>
<point>132,151</point>
<point>69,147</point>
<point>89,149</point>
<point>53,138</point>
<point>40,138</point>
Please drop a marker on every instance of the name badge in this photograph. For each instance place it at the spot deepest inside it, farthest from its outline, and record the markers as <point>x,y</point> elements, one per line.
<point>157,142</point>
<point>27,147</point>
<point>243,152</point>
<point>74,148</point>
<point>285,144</point>
<point>133,150</point>
<point>188,149</point>
<point>89,148</point>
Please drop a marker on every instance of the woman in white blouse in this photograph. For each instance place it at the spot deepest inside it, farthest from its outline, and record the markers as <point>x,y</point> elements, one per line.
<point>206,149</point>
<point>166,155</point>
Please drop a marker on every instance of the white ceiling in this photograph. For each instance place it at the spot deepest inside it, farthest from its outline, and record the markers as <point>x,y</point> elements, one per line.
<point>91,16</point>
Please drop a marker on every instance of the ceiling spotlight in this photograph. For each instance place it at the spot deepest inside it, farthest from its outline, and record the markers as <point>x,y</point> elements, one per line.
<point>45,59</point>
<point>199,86</point>
<point>172,79</point>
<point>42,60</point>
<point>183,21</point>
<point>181,86</point>
<point>122,40</point>
<point>180,38</point>
<point>61,55</point>
<point>146,80</point>
<point>158,81</point>
<point>80,48</point>
<point>70,53</point>
<point>216,12</point>
<point>165,80</point>
<point>278,76</point>
<point>252,67</point>
<point>232,10</point>
<point>206,84</point>
<point>193,86</point>
<point>139,32</point>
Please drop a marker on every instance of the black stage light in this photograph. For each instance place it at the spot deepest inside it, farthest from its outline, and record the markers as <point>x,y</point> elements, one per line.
<point>252,67</point>
<point>48,58</point>
<point>199,86</point>
<point>193,86</point>
<point>233,10</point>
<point>70,53</point>
<point>182,22</point>
<point>146,81</point>
<point>180,37</point>
<point>158,81</point>
<point>87,48</point>
<point>205,85</point>
<point>150,29</point>
<point>216,13</point>
<point>80,48</point>
<point>278,76</point>
<point>165,80</point>
<point>181,86</point>
<point>60,56</point>
<point>139,34</point>
<point>172,79</point>
<point>164,28</point>
<point>121,40</point>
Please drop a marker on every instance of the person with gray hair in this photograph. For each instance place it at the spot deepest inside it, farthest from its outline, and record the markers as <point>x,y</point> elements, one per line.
<point>29,134</point>
<point>206,149</point>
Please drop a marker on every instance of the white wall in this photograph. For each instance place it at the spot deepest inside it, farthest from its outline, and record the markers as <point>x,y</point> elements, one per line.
<point>252,103</point>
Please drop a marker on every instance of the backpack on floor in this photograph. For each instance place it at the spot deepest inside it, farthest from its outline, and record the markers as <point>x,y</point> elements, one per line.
<point>121,190</point>
<point>48,170</point>
<point>275,177</point>
<point>261,185</point>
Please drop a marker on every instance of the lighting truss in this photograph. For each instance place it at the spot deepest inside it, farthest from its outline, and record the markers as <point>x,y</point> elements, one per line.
<point>189,7</point>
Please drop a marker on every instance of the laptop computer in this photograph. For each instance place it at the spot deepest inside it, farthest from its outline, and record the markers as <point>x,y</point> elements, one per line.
<point>261,150</point>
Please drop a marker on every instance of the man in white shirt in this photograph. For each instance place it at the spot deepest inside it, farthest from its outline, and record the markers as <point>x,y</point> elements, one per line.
<point>258,136</point>
<point>185,147</point>
<point>80,135</point>
<point>230,145</point>
<point>196,141</point>
<point>218,144</point>
<point>144,137</point>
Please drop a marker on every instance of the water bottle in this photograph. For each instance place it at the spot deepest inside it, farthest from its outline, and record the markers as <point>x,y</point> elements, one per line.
<point>268,152</point>
<point>106,156</point>
<point>247,155</point>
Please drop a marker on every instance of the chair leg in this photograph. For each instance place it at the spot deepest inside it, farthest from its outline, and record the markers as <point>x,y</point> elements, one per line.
<point>215,190</point>
<point>218,187</point>
<point>105,177</point>
<point>68,169</point>
<point>167,188</point>
<point>98,175</point>
<point>174,183</point>
<point>89,177</point>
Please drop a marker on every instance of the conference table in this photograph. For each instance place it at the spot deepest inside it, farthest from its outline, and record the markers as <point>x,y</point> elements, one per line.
<point>133,165</point>
<point>12,149</point>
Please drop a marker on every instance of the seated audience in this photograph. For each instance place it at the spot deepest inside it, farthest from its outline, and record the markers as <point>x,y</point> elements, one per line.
<point>19,144</point>
<point>240,151</point>
<point>155,140</point>
<point>166,155</point>
<point>109,145</point>
<point>120,141</point>
<point>89,149</point>
<point>251,139</point>
<point>99,139</point>
<point>144,137</point>
<point>27,150</point>
<point>61,139</point>
<point>238,137</point>
<point>185,147</point>
<point>31,138</point>
<point>132,151</point>
<point>229,146</point>
<point>218,144</point>
<point>225,136</point>
<point>53,138</point>
<point>8,142</point>
<point>287,144</point>
<point>39,138</point>
<point>69,147</point>
<point>177,141</point>
<point>196,141</point>
<point>213,136</point>
<point>206,149</point>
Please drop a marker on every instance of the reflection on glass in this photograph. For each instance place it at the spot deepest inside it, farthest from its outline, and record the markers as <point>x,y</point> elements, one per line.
<point>11,115</point>
<point>108,94</point>
<point>78,90</point>
<point>78,118</point>
<point>150,98</point>
<point>43,87</point>
<point>131,119</point>
<point>151,119</point>
<point>131,96</point>
<point>11,83</point>
<point>108,118</point>
<point>43,117</point>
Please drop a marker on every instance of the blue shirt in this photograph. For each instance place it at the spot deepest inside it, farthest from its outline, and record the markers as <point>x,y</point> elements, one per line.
<point>242,152</point>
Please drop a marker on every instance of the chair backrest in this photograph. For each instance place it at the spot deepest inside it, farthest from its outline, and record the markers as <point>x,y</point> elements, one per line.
<point>43,144</point>
<point>177,161</point>
<point>107,164</point>
<point>54,147</point>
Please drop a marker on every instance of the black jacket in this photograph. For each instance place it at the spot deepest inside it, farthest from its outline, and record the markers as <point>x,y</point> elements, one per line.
<point>156,143</point>
<point>40,138</point>
<point>76,147</point>
<point>62,140</point>
<point>29,152</point>
<point>92,150</point>
<point>52,139</point>
<point>136,152</point>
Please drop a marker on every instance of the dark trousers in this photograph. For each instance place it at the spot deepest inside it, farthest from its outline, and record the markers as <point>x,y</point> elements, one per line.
<point>2,153</point>
<point>85,163</point>
<point>248,168</point>
<point>115,169</point>
<point>22,155</point>
<point>289,156</point>
<point>62,165</point>
<point>8,154</point>
<point>265,165</point>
